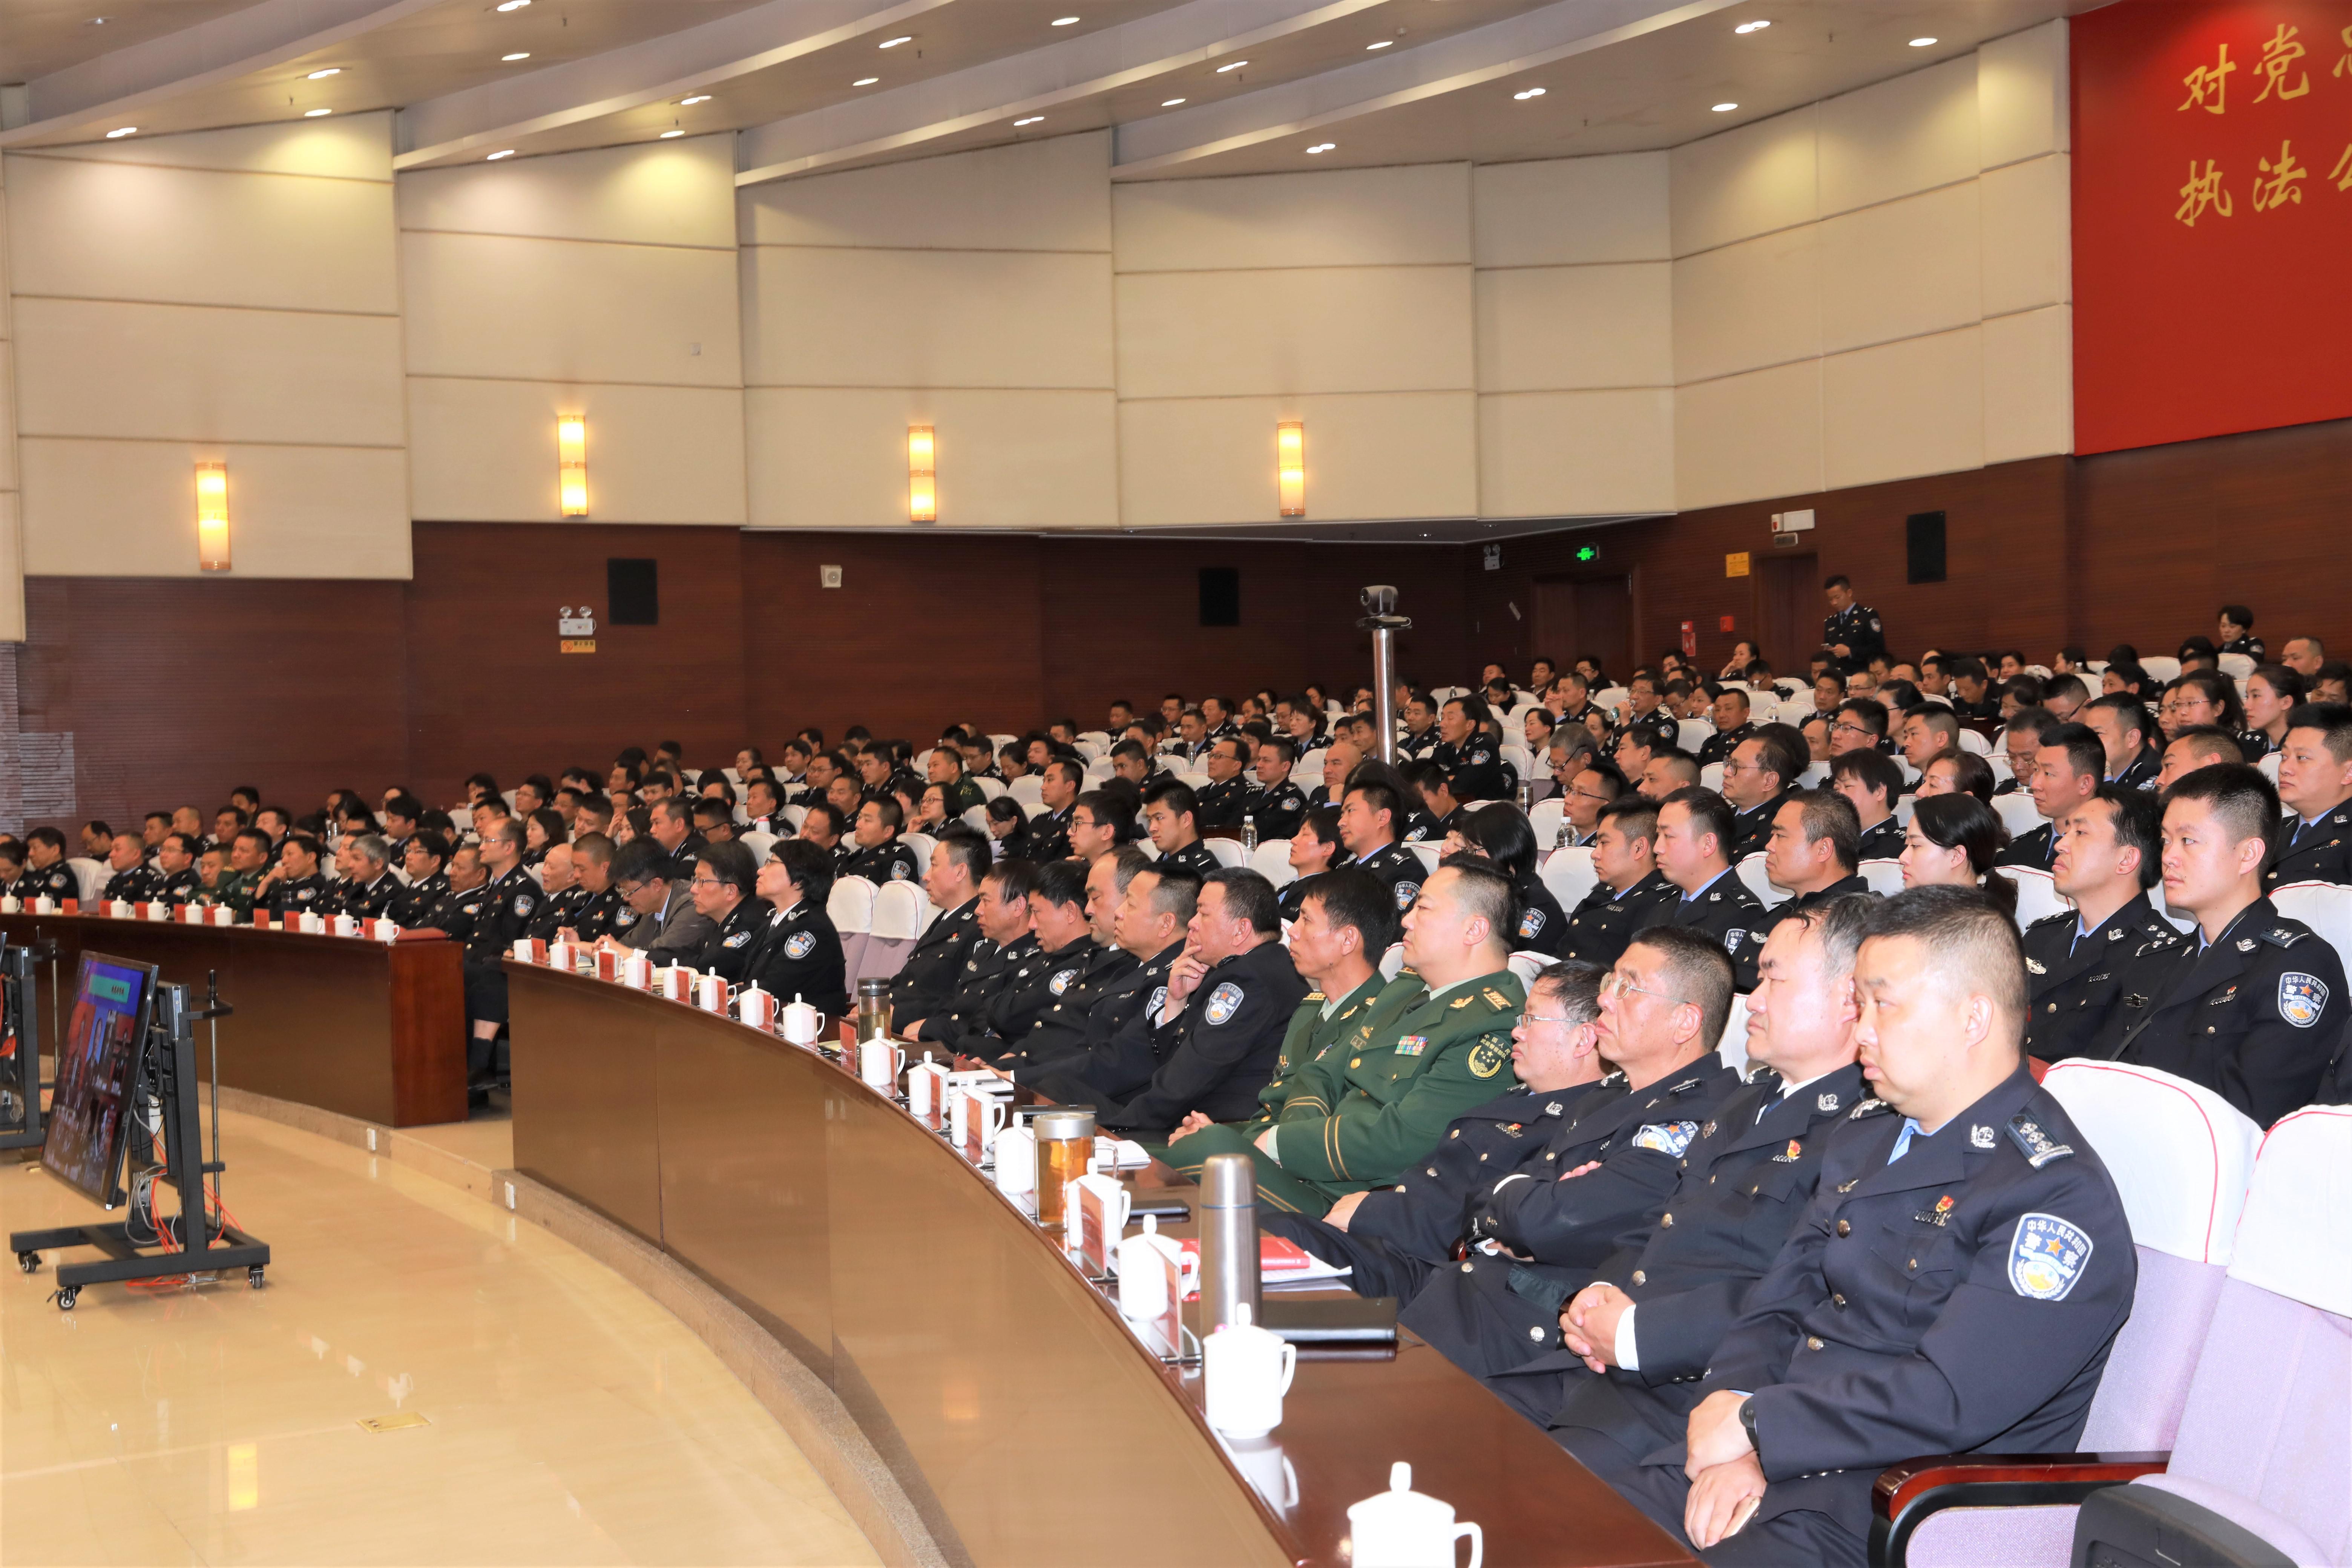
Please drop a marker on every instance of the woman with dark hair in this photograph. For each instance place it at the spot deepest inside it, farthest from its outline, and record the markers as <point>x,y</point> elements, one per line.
<point>2272,692</point>
<point>1743,654</point>
<point>1008,828</point>
<point>637,822</point>
<point>798,953</point>
<point>1320,696</point>
<point>480,787</point>
<point>541,831</point>
<point>2070,660</point>
<point>1959,773</point>
<point>1501,834</point>
<point>2199,699</point>
<point>931,813</point>
<point>2126,675</point>
<point>1315,848</point>
<point>1951,842</point>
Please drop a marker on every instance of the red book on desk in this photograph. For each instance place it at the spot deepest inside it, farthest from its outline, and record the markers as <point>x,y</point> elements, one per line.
<point>1276,1258</point>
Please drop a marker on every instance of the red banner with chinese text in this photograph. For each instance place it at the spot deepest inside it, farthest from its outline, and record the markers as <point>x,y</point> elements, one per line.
<point>2212,202</point>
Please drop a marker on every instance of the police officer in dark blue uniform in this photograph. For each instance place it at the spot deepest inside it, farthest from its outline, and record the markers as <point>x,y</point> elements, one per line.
<point>1279,805</point>
<point>1851,631</point>
<point>881,856</point>
<point>1629,889</point>
<point>1219,805</point>
<point>797,954</point>
<point>294,886</point>
<point>2314,843</point>
<point>725,885</point>
<point>2076,960</point>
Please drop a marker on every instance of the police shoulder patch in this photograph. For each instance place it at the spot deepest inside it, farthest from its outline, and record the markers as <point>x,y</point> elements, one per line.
<point>1158,1000</point>
<point>2046,1256</point>
<point>898,870</point>
<point>2284,936</point>
<point>1531,924</point>
<point>801,944</point>
<point>738,940</point>
<point>523,904</point>
<point>1061,982</point>
<point>1665,1137</point>
<point>2302,998</point>
<point>1487,1057</point>
<point>1405,894</point>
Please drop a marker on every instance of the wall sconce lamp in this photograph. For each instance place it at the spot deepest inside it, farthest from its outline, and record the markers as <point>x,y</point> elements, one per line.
<point>211,517</point>
<point>1290,464</point>
<point>572,458</point>
<point>922,476</point>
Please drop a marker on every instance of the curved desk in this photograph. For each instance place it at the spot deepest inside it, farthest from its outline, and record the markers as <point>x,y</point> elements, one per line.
<point>1024,1419</point>
<point>371,1030</point>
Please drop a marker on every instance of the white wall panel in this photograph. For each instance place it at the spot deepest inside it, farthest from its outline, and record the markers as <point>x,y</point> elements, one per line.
<point>7,421</point>
<point>2029,385</point>
<point>1053,194</point>
<point>544,310</point>
<point>484,451</point>
<point>670,193</point>
<point>1349,217</point>
<point>1746,182</point>
<point>823,458</point>
<point>2022,95</point>
<point>1541,328</point>
<point>1903,408</point>
<point>1211,461</point>
<point>11,568</point>
<point>130,231</point>
<point>1899,137</point>
<point>1304,330</point>
<point>1749,435</point>
<point>1560,211</point>
<point>2029,258</point>
<point>188,373</point>
<point>1575,454</point>
<point>346,147</point>
<point>826,317</point>
<point>127,509</point>
<point>1901,268</point>
<point>1747,305</point>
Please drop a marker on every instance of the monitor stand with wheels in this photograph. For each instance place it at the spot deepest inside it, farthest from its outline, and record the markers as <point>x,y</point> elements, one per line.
<point>165,1078</point>
<point>20,1050</point>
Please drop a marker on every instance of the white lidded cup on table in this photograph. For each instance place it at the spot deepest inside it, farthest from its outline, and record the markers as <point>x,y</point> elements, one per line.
<point>1402,1528</point>
<point>879,1063</point>
<point>1143,1260</point>
<point>1016,1161</point>
<point>1246,1370</point>
<point>802,1022</point>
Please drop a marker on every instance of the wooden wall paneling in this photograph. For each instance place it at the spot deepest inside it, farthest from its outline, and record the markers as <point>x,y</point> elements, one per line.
<point>492,690</point>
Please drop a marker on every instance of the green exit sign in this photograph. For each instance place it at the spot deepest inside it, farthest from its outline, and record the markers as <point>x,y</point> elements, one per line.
<point>1588,552</point>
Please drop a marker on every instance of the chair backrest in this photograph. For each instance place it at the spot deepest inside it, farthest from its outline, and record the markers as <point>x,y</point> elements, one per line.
<point>1711,777</point>
<point>2162,667</point>
<point>2269,765</point>
<point>901,911</point>
<point>1568,874</point>
<point>504,795</point>
<point>990,788</point>
<point>2037,897</point>
<point>1733,1047</point>
<point>89,876</point>
<point>2326,908</point>
<point>1544,818</point>
<point>976,819</point>
<point>1527,965</point>
<point>2181,1156</point>
<point>1752,871</point>
<point>1999,762</point>
<point>1227,851</point>
<point>1271,860</point>
<point>1428,854</point>
<point>1974,743</point>
<point>1099,767</point>
<point>1089,748</point>
<point>759,843</point>
<point>2017,812</point>
<point>1309,769</point>
<point>921,845</point>
<point>1028,789</point>
<point>1904,808</point>
<point>1885,877</point>
<point>850,905</point>
<point>2237,666</point>
<point>732,777</point>
<point>1693,732</point>
<point>796,814</point>
<point>1392,961</point>
<point>2264,1440</point>
<point>1522,764</point>
<point>1815,774</point>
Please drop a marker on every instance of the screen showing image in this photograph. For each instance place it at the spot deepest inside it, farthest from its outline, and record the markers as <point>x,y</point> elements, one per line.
<point>93,1089</point>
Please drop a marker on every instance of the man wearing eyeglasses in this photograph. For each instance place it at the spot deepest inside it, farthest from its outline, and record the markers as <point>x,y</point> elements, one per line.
<point>1762,771</point>
<point>667,926</point>
<point>1586,784</point>
<point>1607,1165</point>
<point>1858,724</point>
<point>724,886</point>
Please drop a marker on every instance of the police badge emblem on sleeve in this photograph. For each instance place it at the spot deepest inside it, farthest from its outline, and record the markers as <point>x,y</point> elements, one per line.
<point>2046,1256</point>
<point>2302,998</point>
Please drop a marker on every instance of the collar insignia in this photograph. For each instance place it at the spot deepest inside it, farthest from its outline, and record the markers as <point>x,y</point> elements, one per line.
<point>2245,944</point>
<point>1825,1102</point>
<point>1980,1137</point>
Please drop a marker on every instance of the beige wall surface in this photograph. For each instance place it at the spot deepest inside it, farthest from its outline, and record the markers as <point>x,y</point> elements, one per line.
<point>1873,287</point>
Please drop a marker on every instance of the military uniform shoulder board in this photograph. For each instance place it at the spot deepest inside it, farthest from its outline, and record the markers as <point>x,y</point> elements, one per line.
<point>2284,936</point>
<point>1867,1108</point>
<point>1312,996</point>
<point>1496,999</point>
<point>2038,1147</point>
<point>2055,919</point>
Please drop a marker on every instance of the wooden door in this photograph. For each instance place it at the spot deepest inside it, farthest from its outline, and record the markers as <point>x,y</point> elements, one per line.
<point>1577,618</point>
<point>1790,608</point>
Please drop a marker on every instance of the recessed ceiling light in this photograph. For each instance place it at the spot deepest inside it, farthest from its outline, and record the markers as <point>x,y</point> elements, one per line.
<point>321,75</point>
<point>512,4</point>
<point>894,42</point>
<point>1725,108</point>
<point>1530,93</point>
<point>1031,120</point>
<point>100,21</point>
<point>1380,44</point>
<point>1321,147</point>
<point>1065,21</point>
<point>666,135</point>
<point>866,81</point>
<point>518,55</point>
<point>1169,102</point>
<point>315,113</point>
<point>1235,67</point>
<point>690,103</point>
<point>1922,43</point>
<point>119,134</point>
<point>1755,27</point>
<point>495,156</point>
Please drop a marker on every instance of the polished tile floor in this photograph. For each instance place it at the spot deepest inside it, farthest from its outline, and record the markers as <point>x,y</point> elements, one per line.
<point>567,1417</point>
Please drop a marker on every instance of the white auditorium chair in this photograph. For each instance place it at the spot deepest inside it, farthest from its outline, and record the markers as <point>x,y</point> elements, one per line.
<point>1227,851</point>
<point>1097,768</point>
<point>1608,699</point>
<point>794,815</point>
<point>507,795</point>
<point>921,845</point>
<point>998,743</point>
<point>1904,808</point>
<point>2324,907</point>
<point>1977,745</point>
<point>1028,789</point>
<point>976,819</point>
<point>1271,860</point>
<point>1094,738</point>
<point>1392,961</point>
<point>990,788</point>
<point>761,845</point>
<point>1569,874</point>
<point>1309,771</point>
<point>1885,877</point>
<point>2038,897</point>
<point>2017,812</point>
<point>1711,777</point>
<point>90,877</point>
<point>1903,765</point>
<point>1428,854</point>
<point>2161,668</point>
<point>1694,734</point>
<point>850,907</point>
<point>2237,667</point>
<point>733,777</point>
<point>2001,772</point>
<point>1544,818</point>
<point>2269,765</point>
<point>1733,1047</point>
<point>1088,749</point>
<point>1526,965</point>
<point>1752,871</point>
<point>1814,775</point>
<point>900,912</point>
<point>1033,809</point>
<point>1515,757</point>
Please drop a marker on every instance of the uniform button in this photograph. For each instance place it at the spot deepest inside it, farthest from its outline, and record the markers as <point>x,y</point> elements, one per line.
<point>1913,1264</point>
<point>1843,1228</point>
<point>1550,1156</point>
<point>1813,1344</point>
<point>1429,1171</point>
<point>1466,1268</point>
<point>1482,1159</point>
<point>2053,1006</point>
<point>1710,1181</point>
<point>1535,1334</point>
<point>1837,1300</point>
<point>1640,1277</point>
<point>1456,1133</point>
<point>1666,1220</point>
<point>1355,1061</point>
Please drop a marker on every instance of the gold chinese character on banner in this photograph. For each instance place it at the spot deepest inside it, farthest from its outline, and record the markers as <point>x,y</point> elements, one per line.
<point>2342,172</point>
<point>2278,57</point>
<point>2201,192</point>
<point>2214,78</point>
<point>2280,187</point>
<point>2344,61</point>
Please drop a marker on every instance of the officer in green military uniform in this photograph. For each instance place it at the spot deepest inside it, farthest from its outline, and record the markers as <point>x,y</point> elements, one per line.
<point>1344,926</point>
<point>240,883</point>
<point>1418,1059</point>
<point>946,769</point>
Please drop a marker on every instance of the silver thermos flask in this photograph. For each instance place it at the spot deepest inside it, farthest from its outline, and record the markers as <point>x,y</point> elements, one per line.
<point>1229,1276</point>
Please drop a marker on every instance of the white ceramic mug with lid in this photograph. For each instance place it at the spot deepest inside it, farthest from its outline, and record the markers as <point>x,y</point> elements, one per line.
<point>1247,1371</point>
<point>1402,1528</point>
